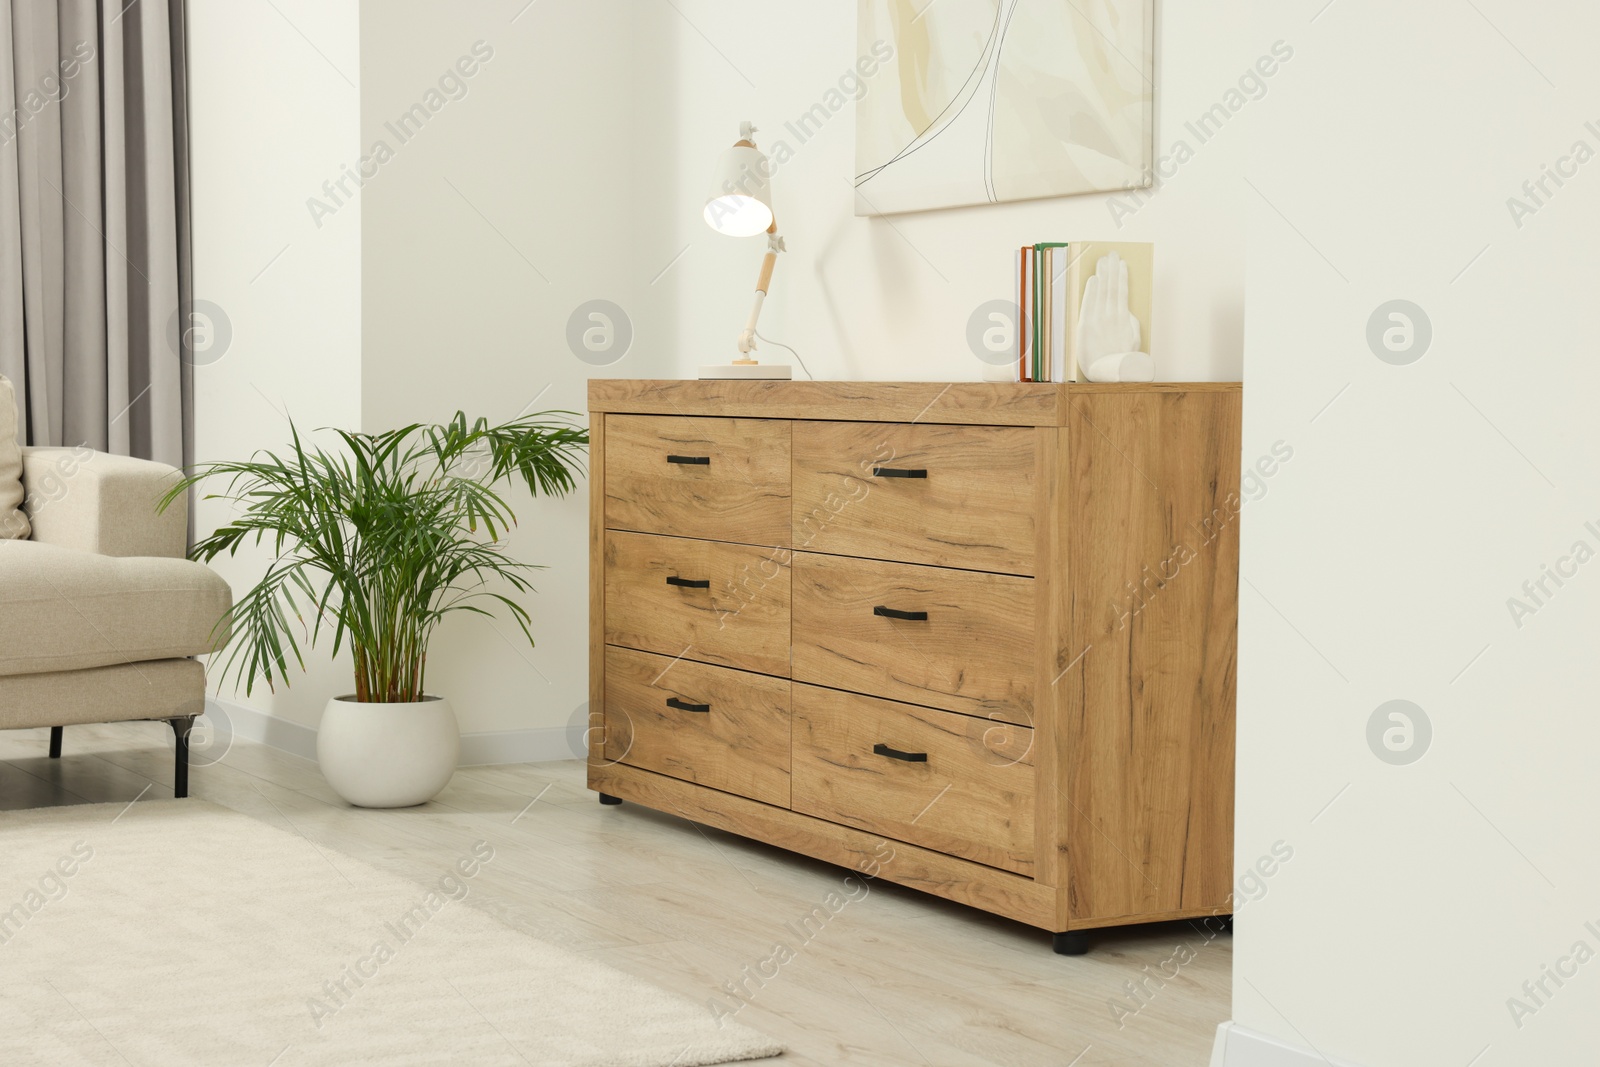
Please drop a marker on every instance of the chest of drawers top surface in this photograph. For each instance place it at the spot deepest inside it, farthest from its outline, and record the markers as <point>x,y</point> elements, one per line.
<point>972,403</point>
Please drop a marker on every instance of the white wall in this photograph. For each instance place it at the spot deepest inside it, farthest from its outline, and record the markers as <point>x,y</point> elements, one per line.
<point>274,113</point>
<point>456,313</point>
<point>1421,897</point>
<point>483,234</point>
<point>890,298</point>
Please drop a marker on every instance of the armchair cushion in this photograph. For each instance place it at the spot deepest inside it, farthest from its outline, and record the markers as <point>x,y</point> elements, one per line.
<point>156,689</point>
<point>95,502</point>
<point>64,610</point>
<point>13,523</point>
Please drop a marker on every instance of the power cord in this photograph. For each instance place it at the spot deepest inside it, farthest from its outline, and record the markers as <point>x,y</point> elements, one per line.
<point>791,351</point>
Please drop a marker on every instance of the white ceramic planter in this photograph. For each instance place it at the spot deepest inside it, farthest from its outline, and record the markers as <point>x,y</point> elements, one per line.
<point>388,755</point>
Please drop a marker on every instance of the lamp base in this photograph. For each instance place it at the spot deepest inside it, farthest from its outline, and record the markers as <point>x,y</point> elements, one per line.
<point>747,371</point>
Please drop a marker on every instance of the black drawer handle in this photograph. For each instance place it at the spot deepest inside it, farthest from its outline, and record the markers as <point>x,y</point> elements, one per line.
<point>674,702</point>
<point>690,583</point>
<point>895,753</point>
<point>893,613</point>
<point>691,461</point>
<point>899,472</point>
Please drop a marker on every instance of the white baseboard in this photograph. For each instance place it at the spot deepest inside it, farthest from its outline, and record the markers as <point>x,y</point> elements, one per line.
<point>477,749</point>
<point>521,746</point>
<point>1238,1047</point>
<point>248,724</point>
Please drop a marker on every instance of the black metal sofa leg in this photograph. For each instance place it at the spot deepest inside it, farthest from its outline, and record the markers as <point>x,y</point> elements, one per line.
<point>180,769</point>
<point>55,741</point>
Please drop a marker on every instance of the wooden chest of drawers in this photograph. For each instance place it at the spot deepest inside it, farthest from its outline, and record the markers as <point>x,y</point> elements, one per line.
<point>978,639</point>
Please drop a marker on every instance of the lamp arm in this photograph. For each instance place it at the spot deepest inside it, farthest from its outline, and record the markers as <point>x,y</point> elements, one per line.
<point>747,339</point>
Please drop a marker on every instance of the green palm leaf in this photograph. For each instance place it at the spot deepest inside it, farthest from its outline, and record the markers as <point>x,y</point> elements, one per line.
<point>381,540</point>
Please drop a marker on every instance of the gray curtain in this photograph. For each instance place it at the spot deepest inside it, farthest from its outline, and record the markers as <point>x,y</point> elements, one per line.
<point>94,224</point>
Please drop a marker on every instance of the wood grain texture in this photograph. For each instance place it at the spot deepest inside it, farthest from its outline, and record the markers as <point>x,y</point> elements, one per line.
<point>1013,896</point>
<point>1149,727</point>
<point>1077,389</point>
<point>740,494</point>
<point>741,619</point>
<point>971,796</point>
<point>973,654</point>
<point>1052,661</point>
<point>971,403</point>
<point>740,744</point>
<point>594,737</point>
<point>975,509</point>
<point>1103,922</point>
<point>961,403</point>
<point>1129,529</point>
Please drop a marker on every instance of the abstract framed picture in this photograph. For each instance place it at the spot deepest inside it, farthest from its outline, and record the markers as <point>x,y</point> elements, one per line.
<point>985,101</point>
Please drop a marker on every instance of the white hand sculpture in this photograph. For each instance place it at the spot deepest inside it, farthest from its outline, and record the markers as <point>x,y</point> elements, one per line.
<point>1108,333</point>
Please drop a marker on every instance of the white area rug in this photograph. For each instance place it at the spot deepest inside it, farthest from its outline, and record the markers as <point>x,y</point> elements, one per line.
<point>183,933</point>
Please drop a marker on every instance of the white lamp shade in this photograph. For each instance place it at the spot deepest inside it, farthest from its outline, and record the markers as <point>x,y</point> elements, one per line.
<point>740,205</point>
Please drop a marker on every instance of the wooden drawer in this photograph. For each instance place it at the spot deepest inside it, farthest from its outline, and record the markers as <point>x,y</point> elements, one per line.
<point>723,729</point>
<point>721,479</point>
<point>969,499</point>
<point>970,795</point>
<point>703,600</point>
<point>973,651</point>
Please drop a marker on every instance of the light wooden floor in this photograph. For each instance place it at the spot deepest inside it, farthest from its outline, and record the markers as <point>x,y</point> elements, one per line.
<point>895,977</point>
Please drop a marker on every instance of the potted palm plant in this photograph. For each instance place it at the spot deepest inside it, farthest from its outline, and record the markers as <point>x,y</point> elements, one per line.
<point>374,544</point>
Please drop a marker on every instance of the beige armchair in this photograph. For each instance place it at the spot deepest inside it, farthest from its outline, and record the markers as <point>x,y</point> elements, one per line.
<point>100,613</point>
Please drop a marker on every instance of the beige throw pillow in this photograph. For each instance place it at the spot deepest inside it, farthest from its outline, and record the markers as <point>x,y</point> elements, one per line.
<point>13,523</point>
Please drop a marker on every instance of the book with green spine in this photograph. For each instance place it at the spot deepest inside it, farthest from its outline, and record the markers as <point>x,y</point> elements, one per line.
<point>1046,315</point>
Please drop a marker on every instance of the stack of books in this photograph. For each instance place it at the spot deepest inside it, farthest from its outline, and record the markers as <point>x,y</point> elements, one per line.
<point>1050,279</point>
